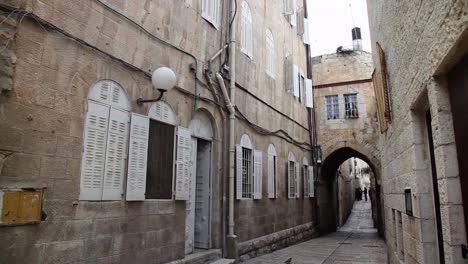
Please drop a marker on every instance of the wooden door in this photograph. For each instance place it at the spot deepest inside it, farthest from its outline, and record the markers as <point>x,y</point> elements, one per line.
<point>458,89</point>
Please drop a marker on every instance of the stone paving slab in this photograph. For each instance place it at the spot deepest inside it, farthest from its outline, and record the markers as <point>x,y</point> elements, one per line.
<point>355,242</point>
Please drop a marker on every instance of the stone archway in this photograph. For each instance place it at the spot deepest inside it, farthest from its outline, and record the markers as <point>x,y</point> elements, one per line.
<point>334,156</point>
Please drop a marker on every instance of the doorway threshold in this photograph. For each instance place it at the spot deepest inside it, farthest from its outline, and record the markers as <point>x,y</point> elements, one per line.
<point>200,256</point>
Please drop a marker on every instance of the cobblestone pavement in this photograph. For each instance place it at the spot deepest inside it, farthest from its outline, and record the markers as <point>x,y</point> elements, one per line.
<point>355,242</point>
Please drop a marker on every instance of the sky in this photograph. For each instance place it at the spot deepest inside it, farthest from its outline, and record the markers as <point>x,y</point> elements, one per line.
<point>331,22</point>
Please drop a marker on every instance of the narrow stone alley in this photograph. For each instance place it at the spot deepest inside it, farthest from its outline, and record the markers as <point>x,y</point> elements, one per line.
<point>355,242</point>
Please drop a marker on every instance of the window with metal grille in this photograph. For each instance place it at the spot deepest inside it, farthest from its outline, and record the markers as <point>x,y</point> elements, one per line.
<point>247,170</point>
<point>333,110</point>
<point>351,106</point>
<point>292,179</point>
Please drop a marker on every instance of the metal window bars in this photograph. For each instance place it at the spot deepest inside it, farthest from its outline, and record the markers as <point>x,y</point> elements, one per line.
<point>247,170</point>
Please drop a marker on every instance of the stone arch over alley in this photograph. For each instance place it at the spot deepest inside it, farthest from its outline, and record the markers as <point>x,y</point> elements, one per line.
<point>327,191</point>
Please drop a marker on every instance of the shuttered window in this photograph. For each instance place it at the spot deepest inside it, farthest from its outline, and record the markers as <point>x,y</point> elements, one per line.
<point>105,143</point>
<point>270,54</point>
<point>246,30</point>
<point>289,74</point>
<point>258,174</point>
<point>296,83</point>
<point>211,10</point>
<point>272,172</point>
<point>184,145</point>
<point>160,167</point>
<point>310,174</point>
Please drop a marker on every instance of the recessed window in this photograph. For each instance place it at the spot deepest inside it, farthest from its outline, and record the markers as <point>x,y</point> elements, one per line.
<point>333,110</point>
<point>160,161</point>
<point>270,54</point>
<point>246,173</point>
<point>351,106</point>
<point>246,30</point>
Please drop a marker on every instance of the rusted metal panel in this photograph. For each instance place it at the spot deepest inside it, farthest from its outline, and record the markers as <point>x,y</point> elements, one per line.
<point>20,207</point>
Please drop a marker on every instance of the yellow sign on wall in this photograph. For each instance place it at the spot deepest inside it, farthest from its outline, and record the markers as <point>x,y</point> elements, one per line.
<point>20,207</point>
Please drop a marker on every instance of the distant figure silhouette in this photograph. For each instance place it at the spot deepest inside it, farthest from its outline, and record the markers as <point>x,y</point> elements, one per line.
<point>289,261</point>
<point>365,193</point>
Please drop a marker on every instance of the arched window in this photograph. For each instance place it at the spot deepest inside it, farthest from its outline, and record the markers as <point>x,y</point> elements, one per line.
<point>211,11</point>
<point>105,143</point>
<point>246,30</point>
<point>272,172</point>
<point>248,170</point>
<point>293,176</point>
<point>270,54</point>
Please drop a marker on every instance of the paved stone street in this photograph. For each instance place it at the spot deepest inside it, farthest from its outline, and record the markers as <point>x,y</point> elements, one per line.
<point>356,242</point>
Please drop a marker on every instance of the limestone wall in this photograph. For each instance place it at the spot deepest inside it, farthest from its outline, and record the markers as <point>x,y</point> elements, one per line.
<point>42,118</point>
<point>420,40</point>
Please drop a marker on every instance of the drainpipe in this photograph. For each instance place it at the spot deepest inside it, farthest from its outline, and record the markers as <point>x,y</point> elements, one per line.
<point>231,237</point>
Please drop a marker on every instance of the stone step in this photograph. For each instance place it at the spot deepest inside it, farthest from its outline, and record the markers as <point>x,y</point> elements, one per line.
<point>224,261</point>
<point>200,257</point>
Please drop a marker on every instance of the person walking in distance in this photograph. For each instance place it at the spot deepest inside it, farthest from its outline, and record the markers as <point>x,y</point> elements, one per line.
<point>365,193</point>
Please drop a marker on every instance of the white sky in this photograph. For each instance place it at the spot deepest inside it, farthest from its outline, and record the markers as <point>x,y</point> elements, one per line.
<point>331,23</point>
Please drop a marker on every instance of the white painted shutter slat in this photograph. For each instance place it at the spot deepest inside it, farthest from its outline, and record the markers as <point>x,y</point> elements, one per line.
<point>137,158</point>
<point>296,180</point>
<point>276,177</point>
<point>309,93</point>
<point>305,176</point>
<point>295,79</point>
<point>288,10</point>
<point>182,187</point>
<point>271,176</point>
<point>293,16</point>
<point>258,173</point>
<point>94,151</point>
<point>116,154</point>
<point>290,195</point>
<point>311,181</point>
<point>238,172</point>
<point>305,36</point>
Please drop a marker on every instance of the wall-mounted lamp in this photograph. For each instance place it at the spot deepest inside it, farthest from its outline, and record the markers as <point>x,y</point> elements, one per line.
<point>163,80</point>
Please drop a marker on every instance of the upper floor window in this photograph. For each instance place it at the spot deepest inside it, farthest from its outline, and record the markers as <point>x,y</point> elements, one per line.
<point>333,110</point>
<point>351,106</point>
<point>211,11</point>
<point>246,30</point>
<point>270,54</point>
<point>105,143</point>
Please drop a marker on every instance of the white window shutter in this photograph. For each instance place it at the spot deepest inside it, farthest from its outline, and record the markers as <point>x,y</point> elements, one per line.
<point>296,180</point>
<point>250,39</point>
<point>182,183</point>
<point>311,181</point>
<point>293,16</point>
<point>116,154</point>
<point>94,151</point>
<point>309,102</point>
<point>305,176</point>
<point>306,36</point>
<point>295,80</point>
<point>258,174</point>
<point>137,158</point>
<point>289,68</point>
<point>239,172</point>
<point>271,176</point>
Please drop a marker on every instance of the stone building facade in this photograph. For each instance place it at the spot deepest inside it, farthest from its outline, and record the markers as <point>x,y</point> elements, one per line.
<point>424,148</point>
<point>68,62</point>
<point>346,124</point>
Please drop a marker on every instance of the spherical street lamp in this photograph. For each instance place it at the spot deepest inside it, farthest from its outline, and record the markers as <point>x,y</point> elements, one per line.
<point>163,80</point>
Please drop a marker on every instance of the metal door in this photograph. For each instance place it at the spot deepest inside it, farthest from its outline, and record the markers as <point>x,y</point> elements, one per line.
<point>190,203</point>
<point>458,89</point>
<point>202,194</point>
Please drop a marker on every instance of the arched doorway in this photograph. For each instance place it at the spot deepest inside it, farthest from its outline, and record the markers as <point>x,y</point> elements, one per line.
<point>327,191</point>
<point>199,206</point>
